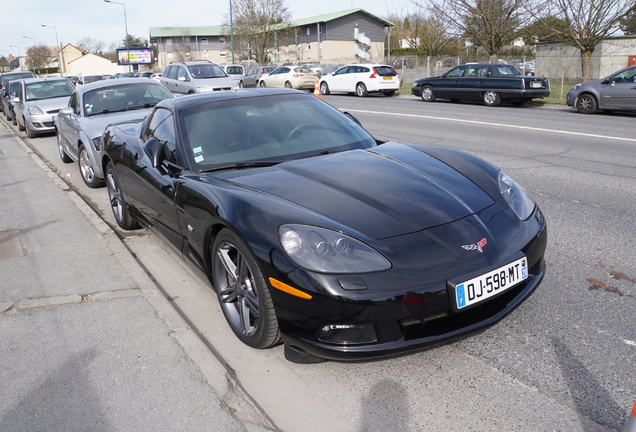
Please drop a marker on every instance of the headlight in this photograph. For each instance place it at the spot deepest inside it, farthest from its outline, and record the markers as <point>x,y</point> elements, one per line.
<point>204,89</point>
<point>515,196</point>
<point>575,87</point>
<point>33,110</point>
<point>327,251</point>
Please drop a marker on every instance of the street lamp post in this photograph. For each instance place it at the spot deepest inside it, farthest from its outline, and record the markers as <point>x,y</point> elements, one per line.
<point>59,48</point>
<point>126,26</point>
<point>19,55</point>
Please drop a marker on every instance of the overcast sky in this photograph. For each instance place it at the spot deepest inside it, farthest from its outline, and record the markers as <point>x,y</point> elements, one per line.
<point>75,19</point>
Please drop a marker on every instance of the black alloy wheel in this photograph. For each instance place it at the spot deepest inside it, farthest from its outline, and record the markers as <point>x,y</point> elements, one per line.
<point>117,201</point>
<point>243,292</point>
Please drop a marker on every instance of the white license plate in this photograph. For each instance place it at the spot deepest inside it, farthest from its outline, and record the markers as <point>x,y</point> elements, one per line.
<point>492,283</point>
<point>535,84</point>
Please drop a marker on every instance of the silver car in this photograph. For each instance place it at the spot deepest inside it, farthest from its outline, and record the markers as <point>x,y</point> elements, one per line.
<point>80,125</point>
<point>196,77</point>
<point>615,92</point>
<point>37,102</point>
<point>236,72</point>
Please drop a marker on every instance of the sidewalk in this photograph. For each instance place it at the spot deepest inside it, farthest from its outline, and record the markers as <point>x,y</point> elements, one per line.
<point>88,340</point>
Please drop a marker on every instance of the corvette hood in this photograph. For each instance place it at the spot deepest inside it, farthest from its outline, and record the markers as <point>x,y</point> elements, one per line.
<point>387,191</point>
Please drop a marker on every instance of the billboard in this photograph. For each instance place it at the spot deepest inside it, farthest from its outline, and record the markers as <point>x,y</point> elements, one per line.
<point>137,56</point>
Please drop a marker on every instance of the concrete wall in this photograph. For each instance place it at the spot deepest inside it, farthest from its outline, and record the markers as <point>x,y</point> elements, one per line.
<point>557,60</point>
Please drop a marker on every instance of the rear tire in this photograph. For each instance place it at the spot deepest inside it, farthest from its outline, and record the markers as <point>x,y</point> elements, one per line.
<point>117,202</point>
<point>491,98</point>
<point>60,148</point>
<point>288,85</point>
<point>86,169</point>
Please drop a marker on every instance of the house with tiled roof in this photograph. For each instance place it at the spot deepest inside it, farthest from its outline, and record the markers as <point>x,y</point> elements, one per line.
<point>340,37</point>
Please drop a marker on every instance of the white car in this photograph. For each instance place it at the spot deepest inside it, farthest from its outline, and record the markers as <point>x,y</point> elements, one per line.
<point>361,79</point>
<point>297,77</point>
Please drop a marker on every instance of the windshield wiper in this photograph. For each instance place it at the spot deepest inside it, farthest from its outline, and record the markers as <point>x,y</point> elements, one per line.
<point>243,164</point>
<point>148,105</point>
<point>106,111</point>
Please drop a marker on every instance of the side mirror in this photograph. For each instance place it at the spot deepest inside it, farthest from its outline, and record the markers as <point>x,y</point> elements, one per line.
<point>181,78</point>
<point>15,100</point>
<point>154,150</point>
<point>66,111</point>
<point>605,81</point>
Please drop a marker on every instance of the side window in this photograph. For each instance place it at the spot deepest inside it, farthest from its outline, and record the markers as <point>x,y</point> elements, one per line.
<point>456,72</point>
<point>72,102</point>
<point>161,127</point>
<point>181,72</point>
<point>18,92</point>
<point>343,70</point>
<point>251,72</point>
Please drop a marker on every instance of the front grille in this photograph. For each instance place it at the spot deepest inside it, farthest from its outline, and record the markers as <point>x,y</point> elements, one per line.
<point>222,89</point>
<point>53,111</point>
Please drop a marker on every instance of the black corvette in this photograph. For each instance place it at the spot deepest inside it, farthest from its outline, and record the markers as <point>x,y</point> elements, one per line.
<point>314,233</point>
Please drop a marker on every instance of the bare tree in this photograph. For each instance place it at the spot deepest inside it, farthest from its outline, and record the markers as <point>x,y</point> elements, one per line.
<point>38,57</point>
<point>491,24</point>
<point>90,45</point>
<point>589,22</point>
<point>259,27</point>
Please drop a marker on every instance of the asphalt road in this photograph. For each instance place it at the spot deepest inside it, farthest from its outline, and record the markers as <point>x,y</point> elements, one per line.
<point>564,361</point>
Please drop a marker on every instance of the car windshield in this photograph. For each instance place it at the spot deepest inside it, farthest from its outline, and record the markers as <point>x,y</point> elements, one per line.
<point>123,97</point>
<point>15,76</point>
<point>266,128</point>
<point>203,71</point>
<point>48,89</point>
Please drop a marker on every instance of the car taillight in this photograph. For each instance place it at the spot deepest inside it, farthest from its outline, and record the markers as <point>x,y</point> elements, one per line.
<point>297,75</point>
<point>374,74</point>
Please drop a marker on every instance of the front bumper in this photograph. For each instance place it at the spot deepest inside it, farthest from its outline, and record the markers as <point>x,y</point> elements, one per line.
<point>406,319</point>
<point>43,123</point>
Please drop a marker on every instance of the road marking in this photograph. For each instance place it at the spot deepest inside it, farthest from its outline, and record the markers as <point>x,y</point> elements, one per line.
<point>493,124</point>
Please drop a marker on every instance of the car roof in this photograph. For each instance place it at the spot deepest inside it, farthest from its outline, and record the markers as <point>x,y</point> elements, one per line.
<point>114,83</point>
<point>33,80</point>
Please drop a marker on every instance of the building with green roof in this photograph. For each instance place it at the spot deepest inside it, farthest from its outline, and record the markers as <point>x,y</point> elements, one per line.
<point>352,36</point>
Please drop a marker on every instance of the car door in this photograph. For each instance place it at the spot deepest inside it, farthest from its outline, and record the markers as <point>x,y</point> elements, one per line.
<point>337,79</point>
<point>68,123</point>
<point>448,86</point>
<point>151,191</point>
<point>474,81</point>
<point>277,77</point>
<point>619,91</point>
<point>250,77</point>
<point>18,106</point>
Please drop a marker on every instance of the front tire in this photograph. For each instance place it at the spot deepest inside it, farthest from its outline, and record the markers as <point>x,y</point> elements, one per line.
<point>243,292</point>
<point>117,202</point>
<point>586,104</point>
<point>241,84</point>
<point>262,84</point>
<point>491,99</point>
<point>324,88</point>
<point>361,90</point>
<point>21,126</point>
<point>87,171</point>
<point>428,95</point>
